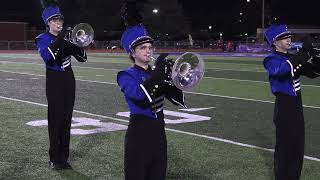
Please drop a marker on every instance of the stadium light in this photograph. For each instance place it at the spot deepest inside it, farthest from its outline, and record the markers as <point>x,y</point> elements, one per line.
<point>248,1</point>
<point>210,27</point>
<point>155,11</point>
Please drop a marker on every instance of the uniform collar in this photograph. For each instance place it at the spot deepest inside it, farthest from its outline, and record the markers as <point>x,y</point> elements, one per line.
<point>281,53</point>
<point>142,69</point>
<point>52,34</point>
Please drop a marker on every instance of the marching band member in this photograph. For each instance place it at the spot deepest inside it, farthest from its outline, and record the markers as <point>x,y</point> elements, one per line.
<point>284,71</point>
<point>144,90</point>
<point>60,83</point>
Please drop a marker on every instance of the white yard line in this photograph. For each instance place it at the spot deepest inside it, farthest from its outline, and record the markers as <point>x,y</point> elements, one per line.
<point>245,99</point>
<point>112,69</point>
<point>41,64</point>
<point>241,70</point>
<point>196,93</point>
<point>168,129</point>
<point>253,81</point>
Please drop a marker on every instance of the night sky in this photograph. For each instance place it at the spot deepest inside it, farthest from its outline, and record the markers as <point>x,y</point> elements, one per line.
<point>303,12</point>
<point>200,14</point>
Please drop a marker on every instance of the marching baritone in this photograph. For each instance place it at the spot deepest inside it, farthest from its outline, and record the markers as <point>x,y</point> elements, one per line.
<point>284,71</point>
<point>144,90</point>
<point>56,53</point>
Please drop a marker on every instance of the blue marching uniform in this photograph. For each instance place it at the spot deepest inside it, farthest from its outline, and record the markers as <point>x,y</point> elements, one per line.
<point>284,71</point>
<point>145,141</point>
<point>284,78</point>
<point>129,82</point>
<point>144,91</point>
<point>60,89</point>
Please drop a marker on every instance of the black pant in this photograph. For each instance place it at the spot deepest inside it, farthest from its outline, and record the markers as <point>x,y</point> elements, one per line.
<point>145,149</point>
<point>289,149</point>
<point>60,91</point>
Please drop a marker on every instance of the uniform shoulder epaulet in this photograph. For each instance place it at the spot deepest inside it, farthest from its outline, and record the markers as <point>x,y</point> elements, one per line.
<point>41,36</point>
<point>129,71</point>
<point>272,56</point>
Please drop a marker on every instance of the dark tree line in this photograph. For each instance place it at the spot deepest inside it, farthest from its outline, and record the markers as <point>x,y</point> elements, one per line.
<point>105,17</point>
<point>175,18</point>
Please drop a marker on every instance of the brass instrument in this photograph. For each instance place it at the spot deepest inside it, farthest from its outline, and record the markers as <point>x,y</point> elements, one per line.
<point>187,71</point>
<point>82,35</point>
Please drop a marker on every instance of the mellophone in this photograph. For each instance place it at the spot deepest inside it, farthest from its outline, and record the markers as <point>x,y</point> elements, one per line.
<point>186,71</point>
<point>81,35</point>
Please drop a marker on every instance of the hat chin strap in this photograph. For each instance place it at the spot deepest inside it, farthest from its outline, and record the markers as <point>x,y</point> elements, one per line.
<point>131,50</point>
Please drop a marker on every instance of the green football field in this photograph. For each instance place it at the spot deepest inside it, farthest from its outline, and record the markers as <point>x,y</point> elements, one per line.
<point>225,133</point>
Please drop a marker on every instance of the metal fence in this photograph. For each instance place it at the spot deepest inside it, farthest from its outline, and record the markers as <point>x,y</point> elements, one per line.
<point>17,45</point>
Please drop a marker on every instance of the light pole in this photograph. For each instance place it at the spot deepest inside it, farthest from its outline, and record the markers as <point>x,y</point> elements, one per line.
<point>262,13</point>
<point>262,16</point>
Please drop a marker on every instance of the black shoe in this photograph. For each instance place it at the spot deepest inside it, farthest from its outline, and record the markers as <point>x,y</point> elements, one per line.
<point>59,166</point>
<point>66,165</point>
<point>54,166</point>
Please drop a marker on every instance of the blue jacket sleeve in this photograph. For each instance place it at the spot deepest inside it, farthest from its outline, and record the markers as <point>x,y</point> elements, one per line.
<point>277,68</point>
<point>130,87</point>
<point>42,45</point>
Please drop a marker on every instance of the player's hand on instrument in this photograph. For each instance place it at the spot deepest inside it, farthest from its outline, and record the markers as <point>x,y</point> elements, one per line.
<point>163,67</point>
<point>160,62</point>
<point>300,58</point>
<point>315,52</point>
<point>70,49</point>
<point>155,85</point>
<point>68,32</point>
<point>306,44</point>
<point>65,33</point>
<point>303,56</point>
<point>309,47</point>
<point>160,67</point>
<point>316,60</point>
